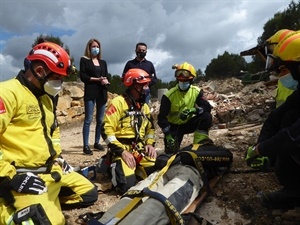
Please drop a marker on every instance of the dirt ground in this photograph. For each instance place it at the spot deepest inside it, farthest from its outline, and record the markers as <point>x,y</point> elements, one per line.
<point>235,198</point>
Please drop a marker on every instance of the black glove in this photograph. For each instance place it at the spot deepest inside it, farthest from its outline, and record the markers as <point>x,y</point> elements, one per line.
<point>28,183</point>
<point>66,167</point>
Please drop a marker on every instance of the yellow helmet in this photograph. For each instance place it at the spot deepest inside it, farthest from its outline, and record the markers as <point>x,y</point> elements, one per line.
<point>288,48</point>
<point>185,71</point>
<point>272,41</point>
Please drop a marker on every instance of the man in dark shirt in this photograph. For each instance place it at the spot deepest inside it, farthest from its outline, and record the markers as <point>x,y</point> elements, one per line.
<point>141,62</point>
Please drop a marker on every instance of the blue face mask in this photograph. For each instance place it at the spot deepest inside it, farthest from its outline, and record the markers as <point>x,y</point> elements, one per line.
<point>95,51</point>
<point>184,85</point>
<point>288,82</point>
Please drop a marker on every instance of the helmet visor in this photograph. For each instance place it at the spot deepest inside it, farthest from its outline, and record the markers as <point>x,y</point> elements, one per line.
<point>272,62</point>
<point>269,48</point>
<point>185,74</point>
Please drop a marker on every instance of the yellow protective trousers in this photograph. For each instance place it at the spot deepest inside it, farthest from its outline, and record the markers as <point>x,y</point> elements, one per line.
<point>124,177</point>
<point>50,200</point>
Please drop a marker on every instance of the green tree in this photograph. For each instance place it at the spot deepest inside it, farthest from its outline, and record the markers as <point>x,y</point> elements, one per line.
<point>287,19</point>
<point>224,66</point>
<point>116,85</point>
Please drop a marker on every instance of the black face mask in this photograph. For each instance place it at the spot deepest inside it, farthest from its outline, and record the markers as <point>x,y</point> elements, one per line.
<point>141,54</point>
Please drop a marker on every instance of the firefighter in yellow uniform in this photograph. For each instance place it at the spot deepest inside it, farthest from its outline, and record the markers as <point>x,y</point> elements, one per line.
<point>128,131</point>
<point>184,110</point>
<point>34,179</point>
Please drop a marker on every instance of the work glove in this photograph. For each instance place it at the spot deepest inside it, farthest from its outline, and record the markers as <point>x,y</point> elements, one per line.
<point>187,112</point>
<point>256,161</point>
<point>28,183</point>
<point>66,167</point>
<point>170,141</point>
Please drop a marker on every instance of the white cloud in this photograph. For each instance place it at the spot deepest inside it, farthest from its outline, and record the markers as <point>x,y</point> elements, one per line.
<point>6,70</point>
<point>175,31</point>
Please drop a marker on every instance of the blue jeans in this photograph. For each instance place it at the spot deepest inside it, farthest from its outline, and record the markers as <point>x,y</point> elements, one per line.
<point>89,110</point>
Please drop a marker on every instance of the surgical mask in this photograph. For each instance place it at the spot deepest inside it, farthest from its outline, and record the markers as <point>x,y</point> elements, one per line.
<point>184,85</point>
<point>141,54</point>
<point>53,87</point>
<point>95,51</point>
<point>289,82</point>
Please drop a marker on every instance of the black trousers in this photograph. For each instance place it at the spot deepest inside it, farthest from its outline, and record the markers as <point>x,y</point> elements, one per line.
<point>287,167</point>
<point>198,122</point>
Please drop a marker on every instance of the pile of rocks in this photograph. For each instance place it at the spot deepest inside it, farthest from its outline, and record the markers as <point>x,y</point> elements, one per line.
<point>233,103</point>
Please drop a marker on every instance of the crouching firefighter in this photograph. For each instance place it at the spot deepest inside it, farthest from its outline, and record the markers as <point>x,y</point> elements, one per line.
<point>128,131</point>
<point>163,197</point>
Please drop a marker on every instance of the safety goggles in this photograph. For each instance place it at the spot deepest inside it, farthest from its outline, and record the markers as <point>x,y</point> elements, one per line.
<point>269,47</point>
<point>273,62</point>
<point>185,74</point>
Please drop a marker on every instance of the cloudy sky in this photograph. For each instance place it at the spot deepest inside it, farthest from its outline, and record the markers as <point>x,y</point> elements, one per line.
<point>175,31</point>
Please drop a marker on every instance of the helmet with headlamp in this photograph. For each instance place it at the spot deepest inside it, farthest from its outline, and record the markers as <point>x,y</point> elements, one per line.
<point>184,71</point>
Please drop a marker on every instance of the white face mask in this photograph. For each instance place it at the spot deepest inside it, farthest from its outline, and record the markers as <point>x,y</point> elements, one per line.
<point>53,87</point>
<point>184,85</point>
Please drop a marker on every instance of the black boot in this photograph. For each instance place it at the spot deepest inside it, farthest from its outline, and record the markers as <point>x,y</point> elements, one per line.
<point>98,147</point>
<point>87,150</point>
<point>285,198</point>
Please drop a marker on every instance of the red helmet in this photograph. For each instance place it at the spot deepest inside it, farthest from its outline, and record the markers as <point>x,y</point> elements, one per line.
<point>54,56</point>
<point>138,76</point>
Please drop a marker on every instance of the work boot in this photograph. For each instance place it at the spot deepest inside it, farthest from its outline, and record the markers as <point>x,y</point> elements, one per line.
<point>98,147</point>
<point>87,150</point>
<point>282,199</point>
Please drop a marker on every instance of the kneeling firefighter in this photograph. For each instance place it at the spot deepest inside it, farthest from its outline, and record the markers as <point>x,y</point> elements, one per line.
<point>35,181</point>
<point>164,195</point>
<point>128,131</point>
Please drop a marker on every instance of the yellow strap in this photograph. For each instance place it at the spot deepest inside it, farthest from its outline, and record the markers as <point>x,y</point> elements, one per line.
<point>121,214</point>
<point>135,201</point>
<point>195,147</point>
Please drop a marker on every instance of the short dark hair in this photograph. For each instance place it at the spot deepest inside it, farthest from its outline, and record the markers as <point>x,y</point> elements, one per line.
<point>140,43</point>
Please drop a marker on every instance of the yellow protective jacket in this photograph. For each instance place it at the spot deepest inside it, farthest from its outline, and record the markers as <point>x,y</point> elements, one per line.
<point>119,123</point>
<point>282,93</point>
<point>25,127</point>
<point>180,101</point>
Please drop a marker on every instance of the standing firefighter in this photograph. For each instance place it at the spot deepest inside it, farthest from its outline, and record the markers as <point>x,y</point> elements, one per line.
<point>184,110</point>
<point>129,132</point>
<point>34,178</point>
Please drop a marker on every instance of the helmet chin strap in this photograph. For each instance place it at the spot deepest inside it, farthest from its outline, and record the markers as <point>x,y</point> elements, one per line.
<point>42,80</point>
